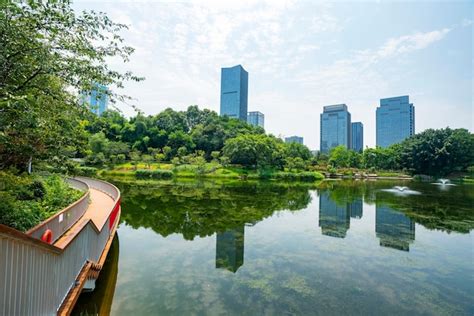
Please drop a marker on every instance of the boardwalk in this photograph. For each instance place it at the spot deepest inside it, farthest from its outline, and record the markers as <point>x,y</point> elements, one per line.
<point>37,278</point>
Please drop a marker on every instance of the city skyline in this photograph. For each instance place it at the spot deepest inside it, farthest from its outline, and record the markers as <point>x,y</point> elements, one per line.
<point>293,72</point>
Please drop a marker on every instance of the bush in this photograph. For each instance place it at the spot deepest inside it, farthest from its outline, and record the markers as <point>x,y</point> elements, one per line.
<point>154,174</point>
<point>87,171</point>
<point>302,176</point>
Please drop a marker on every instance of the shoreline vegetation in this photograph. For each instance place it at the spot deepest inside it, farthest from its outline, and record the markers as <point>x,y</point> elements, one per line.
<point>28,200</point>
<point>46,127</point>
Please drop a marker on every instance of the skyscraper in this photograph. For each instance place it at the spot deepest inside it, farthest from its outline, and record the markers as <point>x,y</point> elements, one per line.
<point>234,92</point>
<point>357,130</point>
<point>335,127</point>
<point>395,120</point>
<point>294,139</point>
<point>97,99</point>
<point>256,118</point>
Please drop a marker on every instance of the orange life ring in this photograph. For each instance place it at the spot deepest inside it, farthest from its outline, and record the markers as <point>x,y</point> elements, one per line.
<point>47,236</point>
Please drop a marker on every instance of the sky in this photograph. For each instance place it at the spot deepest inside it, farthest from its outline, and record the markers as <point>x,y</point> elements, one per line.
<point>301,56</point>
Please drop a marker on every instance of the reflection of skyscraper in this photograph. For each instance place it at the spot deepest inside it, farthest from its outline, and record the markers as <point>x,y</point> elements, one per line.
<point>334,219</point>
<point>230,249</point>
<point>394,229</point>
<point>355,208</point>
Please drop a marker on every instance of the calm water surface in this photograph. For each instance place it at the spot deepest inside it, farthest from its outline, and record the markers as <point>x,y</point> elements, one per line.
<point>266,249</point>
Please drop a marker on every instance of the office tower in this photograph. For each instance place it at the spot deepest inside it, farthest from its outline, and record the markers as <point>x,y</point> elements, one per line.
<point>357,130</point>
<point>393,228</point>
<point>97,99</point>
<point>230,249</point>
<point>294,139</point>
<point>334,219</point>
<point>256,118</point>
<point>335,127</point>
<point>234,92</point>
<point>395,120</point>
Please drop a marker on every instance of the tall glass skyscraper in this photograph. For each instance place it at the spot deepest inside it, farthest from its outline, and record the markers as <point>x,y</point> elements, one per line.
<point>256,118</point>
<point>335,127</point>
<point>234,92</point>
<point>357,130</point>
<point>395,120</point>
<point>97,99</point>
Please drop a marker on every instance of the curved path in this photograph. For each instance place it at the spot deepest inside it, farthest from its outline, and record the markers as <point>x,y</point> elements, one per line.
<point>37,278</point>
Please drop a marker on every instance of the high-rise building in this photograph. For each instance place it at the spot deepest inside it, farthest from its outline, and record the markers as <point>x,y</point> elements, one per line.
<point>234,92</point>
<point>256,118</point>
<point>335,127</point>
<point>97,99</point>
<point>393,228</point>
<point>230,249</point>
<point>357,130</point>
<point>294,139</point>
<point>334,219</point>
<point>395,120</point>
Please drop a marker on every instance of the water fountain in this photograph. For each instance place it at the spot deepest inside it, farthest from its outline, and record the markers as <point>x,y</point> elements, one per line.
<point>401,190</point>
<point>444,182</point>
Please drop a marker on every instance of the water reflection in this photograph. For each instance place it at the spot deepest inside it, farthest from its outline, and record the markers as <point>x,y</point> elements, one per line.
<point>356,208</point>
<point>99,301</point>
<point>394,229</point>
<point>230,249</point>
<point>334,218</point>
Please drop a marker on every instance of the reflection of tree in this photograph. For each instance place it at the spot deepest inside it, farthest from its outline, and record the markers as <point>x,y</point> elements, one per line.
<point>197,209</point>
<point>433,208</point>
<point>99,301</point>
<point>230,248</point>
<point>394,229</point>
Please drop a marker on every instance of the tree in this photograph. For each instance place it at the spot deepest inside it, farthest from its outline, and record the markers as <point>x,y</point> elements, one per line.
<point>295,150</point>
<point>438,152</point>
<point>49,53</point>
<point>258,151</point>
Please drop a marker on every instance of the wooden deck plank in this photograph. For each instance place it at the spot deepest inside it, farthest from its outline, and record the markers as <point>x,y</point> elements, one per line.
<point>98,211</point>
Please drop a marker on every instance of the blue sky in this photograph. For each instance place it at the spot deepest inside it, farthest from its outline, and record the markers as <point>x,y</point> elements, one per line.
<point>301,56</point>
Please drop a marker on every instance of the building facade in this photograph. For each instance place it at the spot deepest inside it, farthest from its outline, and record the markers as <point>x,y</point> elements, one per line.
<point>256,118</point>
<point>357,130</point>
<point>97,99</point>
<point>335,127</point>
<point>234,92</point>
<point>294,139</point>
<point>395,120</point>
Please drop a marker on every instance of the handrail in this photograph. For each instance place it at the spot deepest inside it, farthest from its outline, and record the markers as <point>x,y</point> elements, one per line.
<point>66,218</point>
<point>36,277</point>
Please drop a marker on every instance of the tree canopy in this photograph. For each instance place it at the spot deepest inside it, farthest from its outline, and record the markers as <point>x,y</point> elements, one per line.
<point>48,55</point>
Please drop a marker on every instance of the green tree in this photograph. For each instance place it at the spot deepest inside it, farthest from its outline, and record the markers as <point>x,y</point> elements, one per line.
<point>48,52</point>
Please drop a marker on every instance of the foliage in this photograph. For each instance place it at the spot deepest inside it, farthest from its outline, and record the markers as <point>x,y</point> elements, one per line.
<point>341,157</point>
<point>154,174</point>
<point>27,201</point>
<point>438,152</point>
<point>258,151</point>
<point>48,54</point>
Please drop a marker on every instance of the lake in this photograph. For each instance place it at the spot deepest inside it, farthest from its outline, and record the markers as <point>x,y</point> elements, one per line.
<point>338,247</point>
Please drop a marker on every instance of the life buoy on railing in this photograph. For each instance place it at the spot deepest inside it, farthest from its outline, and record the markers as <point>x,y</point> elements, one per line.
<point>47,236</point>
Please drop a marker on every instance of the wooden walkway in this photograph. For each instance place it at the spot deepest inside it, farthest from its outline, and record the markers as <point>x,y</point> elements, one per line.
<point>98,212</point>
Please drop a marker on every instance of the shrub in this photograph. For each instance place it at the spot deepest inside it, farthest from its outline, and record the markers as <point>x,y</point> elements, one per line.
<point>86,171</point>
<point>154,174</point>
